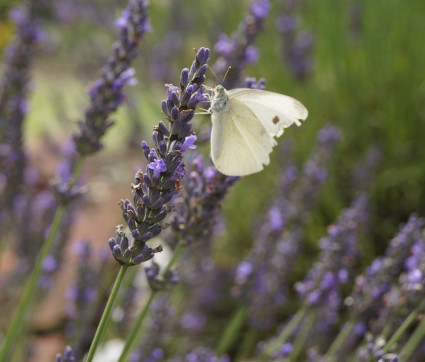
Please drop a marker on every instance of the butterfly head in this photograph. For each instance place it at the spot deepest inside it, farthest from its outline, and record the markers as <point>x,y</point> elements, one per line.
<point>219,100</point>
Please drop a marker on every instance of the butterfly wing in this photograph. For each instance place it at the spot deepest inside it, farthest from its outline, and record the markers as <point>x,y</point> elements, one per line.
<point>275,111</point>
<point>240,144</point>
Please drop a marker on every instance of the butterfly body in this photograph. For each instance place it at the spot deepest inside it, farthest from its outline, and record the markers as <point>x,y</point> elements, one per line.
<point>244,124</point>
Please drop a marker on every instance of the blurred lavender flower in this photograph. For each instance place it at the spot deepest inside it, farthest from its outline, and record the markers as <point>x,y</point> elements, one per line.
<point>201,354</point>
<point>297,43</point>
<point>160,331</point>
<point>262,277</point>
<point>14,90</point>
<point>254,84</point>
<point>238,51</point>
<point>198,204</point>
<point>155,187</point>
<point>106,94</point>
<point>355,24</point>
<point>85,298</point>
<point>67,356</point>
<point>373,351</point>
<point>335,265</point>
<point>371,287</point>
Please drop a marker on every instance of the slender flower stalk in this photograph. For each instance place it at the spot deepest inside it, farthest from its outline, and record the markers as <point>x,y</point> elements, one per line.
<point>138,326</point>
<point>31,286</point>
<point>106,313</point>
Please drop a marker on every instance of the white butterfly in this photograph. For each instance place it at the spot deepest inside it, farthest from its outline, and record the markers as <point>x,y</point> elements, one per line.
<point>244,124</point>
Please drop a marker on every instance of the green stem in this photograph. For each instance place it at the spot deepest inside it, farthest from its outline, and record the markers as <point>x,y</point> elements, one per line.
<point>231,332</point>
<point>285,334</point>
<point>106,313</point>
<point>413,342</point>
<point>18,320</point>
<point>31,287</point>
<point>339,340</point>
<point>246,345</point>
<point>28,293</point>
<point>137,330</point>
<point>301,337</point>
<point>400,331</point>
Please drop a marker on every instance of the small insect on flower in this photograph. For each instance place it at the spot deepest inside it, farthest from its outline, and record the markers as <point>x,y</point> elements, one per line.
<point>244,124</point>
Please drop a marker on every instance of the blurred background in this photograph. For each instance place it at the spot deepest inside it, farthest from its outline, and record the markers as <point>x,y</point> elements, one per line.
<point>358,65</point>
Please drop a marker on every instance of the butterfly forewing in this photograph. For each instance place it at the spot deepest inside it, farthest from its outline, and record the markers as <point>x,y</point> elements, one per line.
<point>275,111</point>
<point>240,144</point>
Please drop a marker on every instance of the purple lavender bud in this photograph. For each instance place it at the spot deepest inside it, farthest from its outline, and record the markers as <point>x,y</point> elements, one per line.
<point>203,55</point>
<point>175,128</point>
<point>165,108</point>
<point>160,216</point>
<point>112,243</point>
<point>184,78</point>
<point>117,251</point>
<point>163,129</point>
<point>135,233</point>
<point>158,203</point>
<point>175,99</point>
<point>146,236</point>
<point>170,106</point>
<point>146,149</point>
<point>201,71</point>
<point>195,100</point>
<point>184,130</point>
<point>155,229</point>
<point>163,148</point>
<point>186,96</point>
<point>174,113</point>
<point>186,115</point>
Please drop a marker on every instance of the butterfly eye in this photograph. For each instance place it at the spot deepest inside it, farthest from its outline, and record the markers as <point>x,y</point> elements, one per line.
<point>220,89</point>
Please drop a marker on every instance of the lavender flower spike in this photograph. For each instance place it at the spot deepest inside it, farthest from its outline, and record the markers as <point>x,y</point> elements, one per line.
<point>238,51</point>
<point>158,184</point>
<point>14,89</point>
<point>67,356</point>
<point>106,94</point>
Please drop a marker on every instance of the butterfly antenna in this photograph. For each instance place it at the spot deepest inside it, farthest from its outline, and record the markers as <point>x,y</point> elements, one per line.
<point>225,75</point>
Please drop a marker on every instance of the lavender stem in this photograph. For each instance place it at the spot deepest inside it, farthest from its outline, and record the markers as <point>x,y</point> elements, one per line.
<point>285,334</point>
<point>414,341</point>
<point>339,340</point>
<point>106,313</point>
<point>406,324</point>
<point>137,329</point>
<point>231,331</point>
<point>28,294</point>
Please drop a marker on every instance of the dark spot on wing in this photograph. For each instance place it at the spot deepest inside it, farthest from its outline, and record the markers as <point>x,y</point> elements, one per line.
<point>275,119</point>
